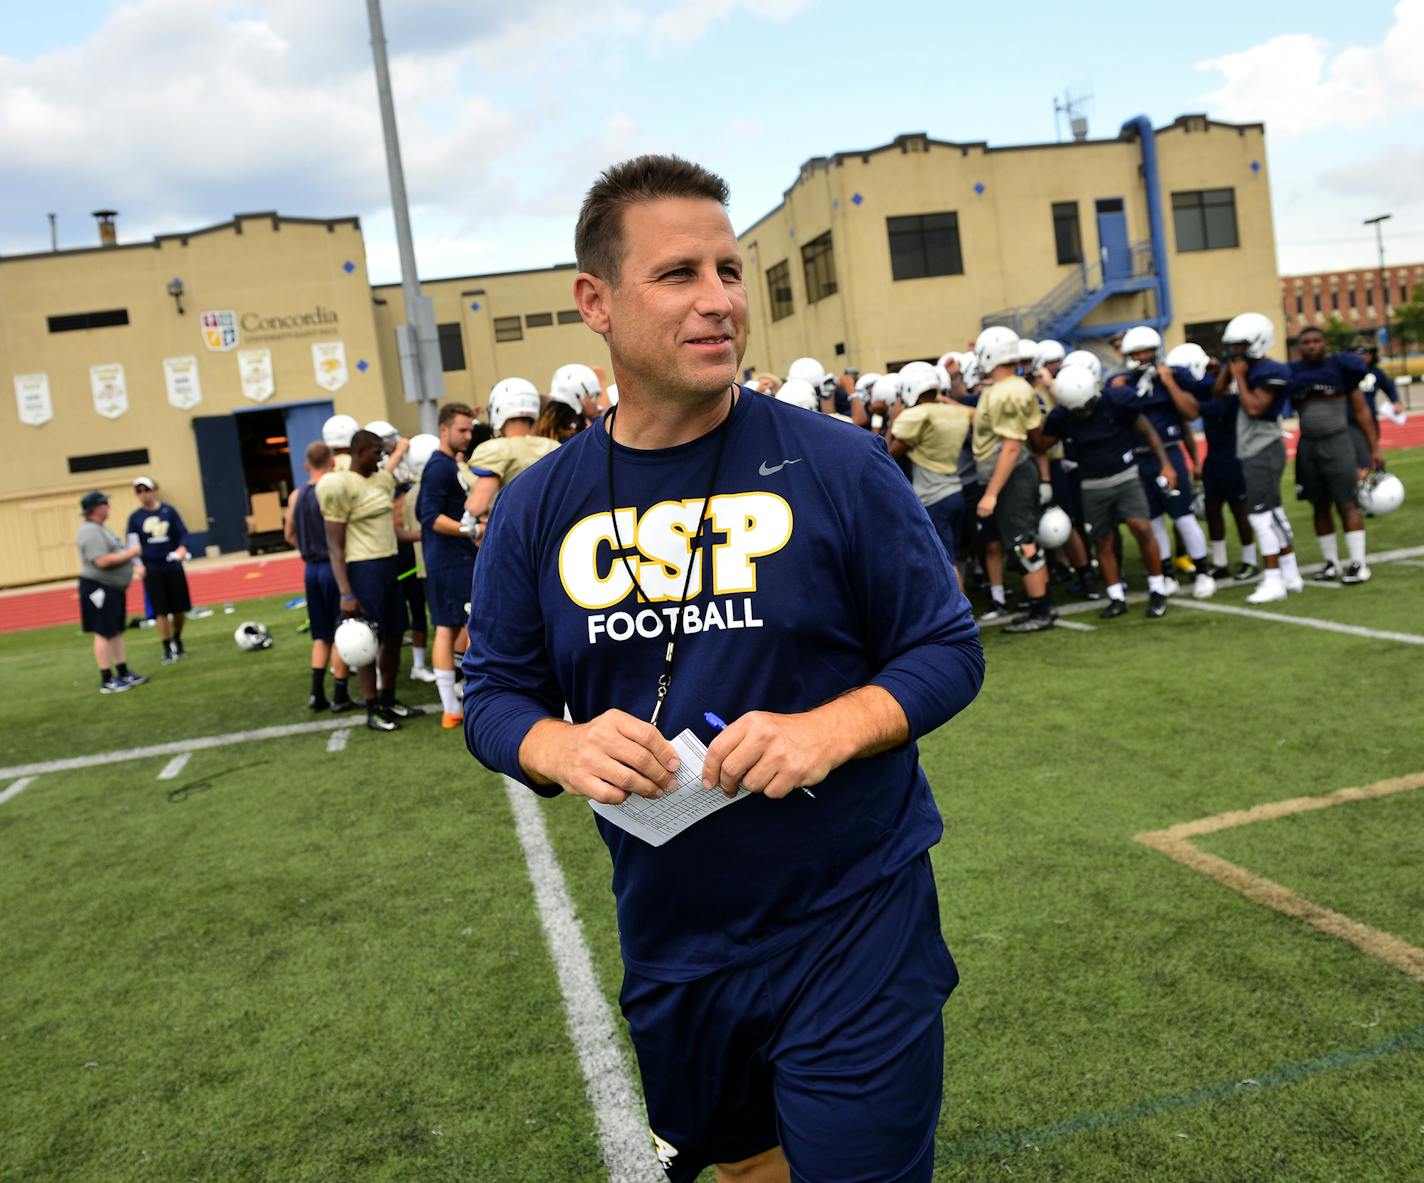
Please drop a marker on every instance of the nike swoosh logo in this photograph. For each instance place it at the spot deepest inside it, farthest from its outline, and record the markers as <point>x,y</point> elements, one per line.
<point>768,469</point>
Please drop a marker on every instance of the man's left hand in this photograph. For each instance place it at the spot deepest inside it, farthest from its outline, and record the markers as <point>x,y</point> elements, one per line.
<point>770,754</point>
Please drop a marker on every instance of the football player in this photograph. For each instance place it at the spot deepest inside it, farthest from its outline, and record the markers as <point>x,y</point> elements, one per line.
<point>305,531</point>
<point>1141,382</point>
<point>931,432</point>
<point>159,530</point>
<point>1056,486</point>
<point>513,409</point>
<point>1324,387</point>
<point>1106,432</point>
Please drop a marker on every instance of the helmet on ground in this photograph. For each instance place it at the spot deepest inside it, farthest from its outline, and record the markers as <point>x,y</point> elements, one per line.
<point>1075,387</point>
<point>337,431</point>
<point>512,398</point>
<point>1381,493</point>
<point>356,642</point>
<point>1089,360</point>
<point>886,390</point>
<point>251,636</point>
<point>808,369</point>
<point>996,346</point>
<point>390,435</point>
<point>412,465</point>
<point>917,379</point>
<point>1135,340</point>
<point>1190,357</point>
<point>1055,527</point>
<point>866,383</point>
<point>1027,348</point>
<point>1253,330</point>
<point>1047,353</point>
<point>573,383</point>
<point>799,393</point>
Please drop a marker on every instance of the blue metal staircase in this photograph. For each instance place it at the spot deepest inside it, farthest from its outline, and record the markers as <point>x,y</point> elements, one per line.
<point>1060,313</point>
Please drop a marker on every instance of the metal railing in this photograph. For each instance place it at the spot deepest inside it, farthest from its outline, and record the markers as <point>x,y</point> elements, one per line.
<point>1079,286</point>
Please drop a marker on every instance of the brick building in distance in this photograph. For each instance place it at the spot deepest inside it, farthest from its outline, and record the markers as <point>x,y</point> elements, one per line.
<point>1353,295</point>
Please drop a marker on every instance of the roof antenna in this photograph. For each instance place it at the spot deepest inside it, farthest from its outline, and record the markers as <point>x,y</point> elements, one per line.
<point>1075,108</point>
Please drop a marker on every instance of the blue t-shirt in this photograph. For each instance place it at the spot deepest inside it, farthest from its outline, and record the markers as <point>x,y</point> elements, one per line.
<point>159,531</point>
<point>825,575</point>
<point>1101,434</point>
<point>1218,416</point>
<point>1152,398</point>
<point>442,493</point>
<point>310,526</point>
<point>1320,391</point>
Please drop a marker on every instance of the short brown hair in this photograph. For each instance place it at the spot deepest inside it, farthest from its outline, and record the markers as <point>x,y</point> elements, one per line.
<point>318,454</point>
<point>598,238</point>
<point>451,411</point>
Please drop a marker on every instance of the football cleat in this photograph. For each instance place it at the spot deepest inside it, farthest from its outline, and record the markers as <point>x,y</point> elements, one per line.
<point>422,673</point>
<point>318,702</point>
<point>398,710</point>
<point>1327,574</point>
<point>1173,587</point>
<point>140,679</point>
<point>342,705</point>
<point>1203,587</point>
<point>1245,571</point>
<point>376,721</point>
<point>1356,573</point>
<point>1271,591</point>
<point>1219,573</point>
<point>1183,564</point>
<point>996,613</point>
<point>1114,609</point>
<point>1030,624</point>
<point>169,658</point>
<point>113,686</point>
<point>1156,606</point>
<point>449,722</point>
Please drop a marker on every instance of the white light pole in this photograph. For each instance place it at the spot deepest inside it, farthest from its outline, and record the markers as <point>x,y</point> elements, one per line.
<point>1384,291</point>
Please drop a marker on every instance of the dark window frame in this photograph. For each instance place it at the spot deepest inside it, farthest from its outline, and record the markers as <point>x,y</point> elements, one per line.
<point>1067,232</point>
<point>105,318</point>
<point>1196,228</point>
<point>781,297</point>
<point>538,320</point>
<point>452,346</point>
<point>818,267</point>
<point>508,328</point>
<point>924,246</point>
<point>569,316</point>
<point>98,461</point>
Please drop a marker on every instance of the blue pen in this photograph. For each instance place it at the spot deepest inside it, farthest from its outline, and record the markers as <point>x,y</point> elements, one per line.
<point>715,722</point>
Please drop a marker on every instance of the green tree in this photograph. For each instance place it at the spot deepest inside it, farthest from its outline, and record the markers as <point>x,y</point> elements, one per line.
<point>1339,335</point>
<point>1409,320</point>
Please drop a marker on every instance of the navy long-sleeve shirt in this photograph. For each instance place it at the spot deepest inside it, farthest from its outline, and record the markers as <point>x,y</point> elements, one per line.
<point>160,531</point>
<point>825,575</point>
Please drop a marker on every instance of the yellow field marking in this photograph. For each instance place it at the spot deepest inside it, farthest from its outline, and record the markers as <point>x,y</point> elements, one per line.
<point>1175,843</point>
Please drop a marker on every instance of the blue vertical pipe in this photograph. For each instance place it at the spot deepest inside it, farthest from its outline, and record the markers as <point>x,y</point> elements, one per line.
<point>1156,228</point>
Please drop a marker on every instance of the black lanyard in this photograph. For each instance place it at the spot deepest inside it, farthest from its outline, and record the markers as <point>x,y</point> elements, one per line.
<point>665,678</point>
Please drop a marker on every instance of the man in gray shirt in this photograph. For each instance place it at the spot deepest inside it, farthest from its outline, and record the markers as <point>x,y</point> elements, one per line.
<point>105,572</point>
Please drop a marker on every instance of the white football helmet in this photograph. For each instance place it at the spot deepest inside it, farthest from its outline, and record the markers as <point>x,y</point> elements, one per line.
<point>337,431</point>
<point>808,369</point>
<point>886,390</point>
<point>1055,527</point>
<point>573,383</point>
<point>412,465</point>
<point>1075,387</point>
<point>996,346</point>
<point>799,393</point>
<point>1253,330</point>
<point>251,636</point>
<point>512,398</point>
<point>389,434</point>
<point>969,370</point>
<point>356,642</point>
<point>1089,360</point>
<point>1190,357</point>
<point>1047,353</point>
<point>1027,348</point>
<point>917,379</point>
<point>1135,340</point>
<point>866,383</point>
<point>1380,493</point>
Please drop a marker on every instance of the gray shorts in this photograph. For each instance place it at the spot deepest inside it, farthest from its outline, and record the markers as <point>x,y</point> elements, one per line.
<point>1326,469</point>
<point>1104,509</point>
<point>1262,474</point>
<point>1016,512</point>
<point>1362,445</point>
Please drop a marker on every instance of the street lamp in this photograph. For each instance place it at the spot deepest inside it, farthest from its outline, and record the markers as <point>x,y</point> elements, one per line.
<point>1379,243</point>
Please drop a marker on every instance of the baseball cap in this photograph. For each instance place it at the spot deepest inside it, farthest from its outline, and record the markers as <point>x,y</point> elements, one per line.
<point>144,482</point>
<point>90,500</point>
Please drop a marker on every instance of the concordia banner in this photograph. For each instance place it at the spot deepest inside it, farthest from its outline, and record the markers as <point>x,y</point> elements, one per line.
<point>180,374</point>
<point>111,392</point>
<point>329,360</point>
<point>33,400</point>
<point>255,365</point>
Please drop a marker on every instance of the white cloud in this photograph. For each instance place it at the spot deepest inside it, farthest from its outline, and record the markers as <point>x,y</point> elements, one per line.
<point>685,21</point>
<point>1294,85</point>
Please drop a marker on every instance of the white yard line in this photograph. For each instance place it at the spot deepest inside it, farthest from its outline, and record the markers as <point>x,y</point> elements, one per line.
<point>1076,626</point>
<point>1408,562</point>
<point>622,1124</point>
<point>17,788</point>
<point>1329,626</point>
<point>338,739</point>
<point>175,766</point>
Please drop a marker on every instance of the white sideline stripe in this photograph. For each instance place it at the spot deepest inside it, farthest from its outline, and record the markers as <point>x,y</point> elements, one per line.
<point>1408,562</point>
<point>338,739</point>
<point>175,766</point>
<point>622,1125</point>
<point>1076,626</point>
<point>1329,626</point>
<point>17,788</point>
<point>181,745</point>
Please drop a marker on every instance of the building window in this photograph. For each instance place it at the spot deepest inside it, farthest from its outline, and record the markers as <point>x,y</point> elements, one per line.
<point>1334,299</point>
<point>89,320</point>
<point>1354,296</point>
<point>1317,299</point>
<point>452,347</point>
<point>508,328</point>
<point>818,261</point>
<point>1403,293</point>
<point>1067,235</point>
<point>1205,219</point>
<point>538,320</point>
<point>570,316</point>
<point>102,460</point>
<point>778,286</point>
<point>1299,303</point>
<point>924,244</point>
<point>1369,295</point>
<point>1207,334</point>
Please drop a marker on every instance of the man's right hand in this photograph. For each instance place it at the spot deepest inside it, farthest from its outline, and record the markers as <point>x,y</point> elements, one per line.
<point>350,606</point>
<point>608,758</point>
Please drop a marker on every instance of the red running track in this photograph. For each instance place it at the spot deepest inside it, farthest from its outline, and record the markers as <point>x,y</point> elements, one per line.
<point>210,588</point>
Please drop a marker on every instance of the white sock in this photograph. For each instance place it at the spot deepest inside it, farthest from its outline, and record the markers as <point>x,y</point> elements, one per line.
<point>1157,583</point>
<point>1272,576</point>
<point>1248,554</point>
<point>1355,545</point>
<point>417,653</point>
<point>445,683</point>
<point>1192,538</point>
<point>1118,591</point>
<point>1290,569</point>
<point>1164,539</point>
<point>1329,546</point>
<point>1218,552</point>
<point>996,593</point>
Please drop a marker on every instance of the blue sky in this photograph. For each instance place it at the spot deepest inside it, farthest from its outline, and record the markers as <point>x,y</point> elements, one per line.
<point>180,114</point>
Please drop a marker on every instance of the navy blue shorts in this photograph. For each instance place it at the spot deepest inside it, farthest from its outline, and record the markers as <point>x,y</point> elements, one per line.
<point>447,590</point>
<point>323,602</point>
<point>1175,503</point>
<point>833,1049</point>
<point>1223,481</point>
<point>946,514</point>
<point>1067,492</point>
<point>373,582</point>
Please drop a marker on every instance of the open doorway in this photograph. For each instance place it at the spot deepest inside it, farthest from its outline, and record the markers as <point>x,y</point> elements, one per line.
<point>267,472</point>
